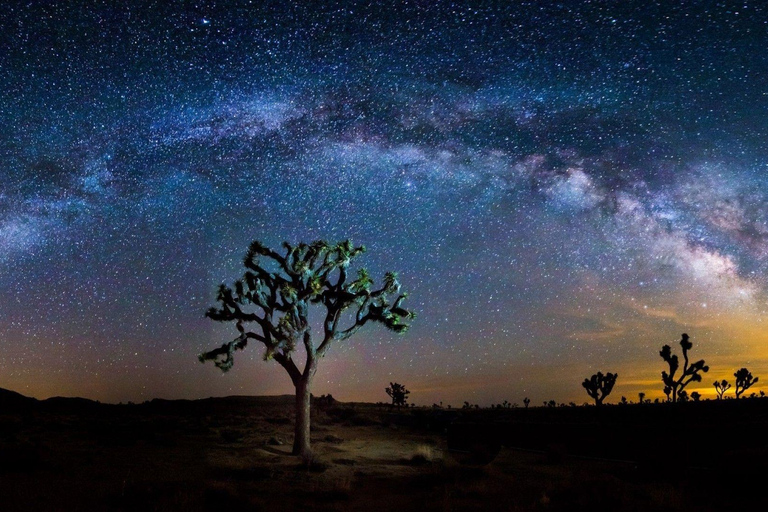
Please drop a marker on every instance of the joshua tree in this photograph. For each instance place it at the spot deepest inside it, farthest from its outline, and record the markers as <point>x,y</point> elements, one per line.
<point>277,293</point>
<point>696,396</point>
<point>641,397</point>
<point>690,373</point>
<point>526,402</point>
<point>600,386</point>
<point>398,393</point>
<point>744,381</point>
<point>721,387</point>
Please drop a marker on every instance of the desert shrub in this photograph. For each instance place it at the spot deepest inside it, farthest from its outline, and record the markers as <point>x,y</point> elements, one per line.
<point>311,462</point>
<point>423,455</point>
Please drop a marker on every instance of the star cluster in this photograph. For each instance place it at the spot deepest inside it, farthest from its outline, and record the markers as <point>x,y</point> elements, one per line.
<point>563,188</point>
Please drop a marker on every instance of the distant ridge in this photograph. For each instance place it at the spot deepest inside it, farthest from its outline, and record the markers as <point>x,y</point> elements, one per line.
<point>12,401</point>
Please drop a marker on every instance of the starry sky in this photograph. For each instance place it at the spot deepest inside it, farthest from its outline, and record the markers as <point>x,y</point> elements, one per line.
<point>563,188</point>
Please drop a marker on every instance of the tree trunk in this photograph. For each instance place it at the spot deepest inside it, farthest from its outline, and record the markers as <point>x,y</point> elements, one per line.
<point>301,432</point>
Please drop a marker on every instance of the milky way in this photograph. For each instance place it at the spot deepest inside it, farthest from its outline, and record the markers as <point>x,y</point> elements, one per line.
<point>561,189</point>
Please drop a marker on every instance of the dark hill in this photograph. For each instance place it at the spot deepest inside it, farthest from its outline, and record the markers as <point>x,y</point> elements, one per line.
<point>13,401</point>
<point>69,404</point>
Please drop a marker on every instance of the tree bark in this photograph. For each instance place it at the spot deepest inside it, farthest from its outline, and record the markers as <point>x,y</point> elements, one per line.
<point>301,433</point>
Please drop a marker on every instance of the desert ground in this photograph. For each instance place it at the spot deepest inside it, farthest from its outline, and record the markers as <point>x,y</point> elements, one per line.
<point>234,454</point>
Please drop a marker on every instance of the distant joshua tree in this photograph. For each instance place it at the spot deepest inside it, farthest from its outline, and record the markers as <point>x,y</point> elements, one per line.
<point>721,387</point>
<point>696,396</point>
<point>641,397</point>
<point>690,373</point>
<point>398,393</point>
<point>744,381</point>
<point>271,305</point>
<point>600,386</point>
<point>526,402</point>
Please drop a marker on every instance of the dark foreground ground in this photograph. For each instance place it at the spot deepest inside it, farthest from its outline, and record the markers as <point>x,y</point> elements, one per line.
<point>233,454</point>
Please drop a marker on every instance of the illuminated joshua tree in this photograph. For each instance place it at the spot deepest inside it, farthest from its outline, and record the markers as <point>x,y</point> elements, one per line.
<point>690,373</point>
<point>398,393</point>
<point>275,297</point>
<point>721,387</point>
<point>600,386</point>
<point>744,381</point>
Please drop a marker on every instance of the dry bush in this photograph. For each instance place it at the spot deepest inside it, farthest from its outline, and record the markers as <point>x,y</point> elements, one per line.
<point>423,455</point>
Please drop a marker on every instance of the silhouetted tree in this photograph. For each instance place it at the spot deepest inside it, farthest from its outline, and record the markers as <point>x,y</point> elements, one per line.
<point>682,396</point>
<point>641,397</point>
<point>690,373</point>
<point>696,396</point>
<point>744,381</point>
<point>624,401</point>
<point>600,386</point>
<point>526,402</point>
<point>550,403</point>
<point>721,387</point>
<point>276,294</point>
<point>398,393</point>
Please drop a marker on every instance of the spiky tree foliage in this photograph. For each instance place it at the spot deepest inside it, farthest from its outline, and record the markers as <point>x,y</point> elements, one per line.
<point>271,305</point>
<point>600,386</point>
<point>398,393</point>
<point>691,371</point>
<point>744,381</point>
<point>721,387</point>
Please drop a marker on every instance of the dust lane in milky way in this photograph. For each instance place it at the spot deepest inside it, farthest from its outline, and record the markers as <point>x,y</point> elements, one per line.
<point>562,189</point>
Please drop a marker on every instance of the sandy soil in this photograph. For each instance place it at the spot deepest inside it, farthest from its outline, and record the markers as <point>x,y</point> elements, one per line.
<point>234,454</point>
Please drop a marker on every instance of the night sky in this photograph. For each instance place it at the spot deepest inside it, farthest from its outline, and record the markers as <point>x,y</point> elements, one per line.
<point>562,188</point>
